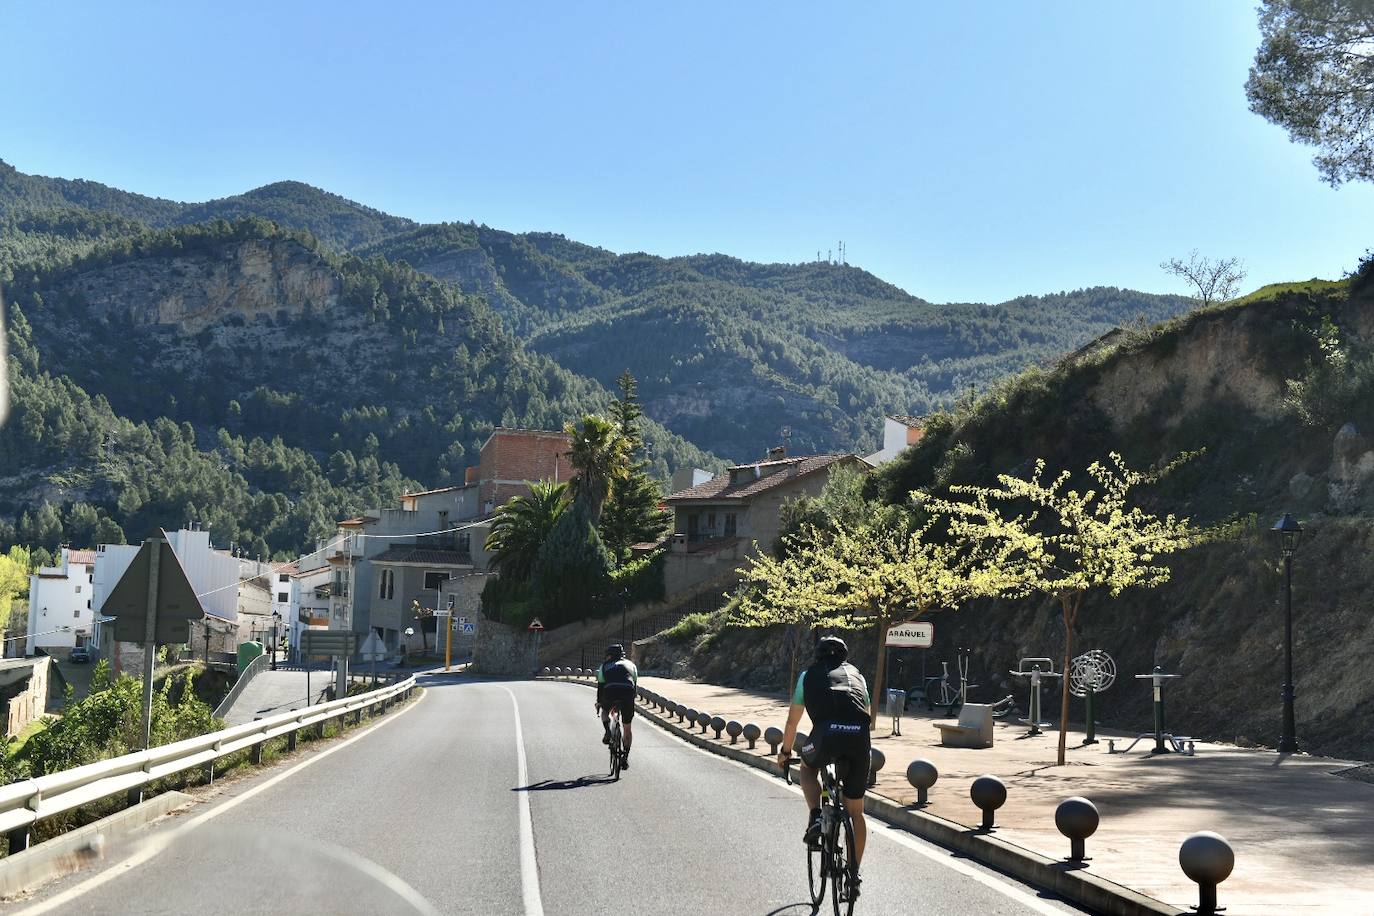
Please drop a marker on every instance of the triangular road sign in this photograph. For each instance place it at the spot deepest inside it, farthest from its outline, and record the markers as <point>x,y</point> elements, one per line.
<point>175,600</point>
<point>373,648</point>
<point>536,625</point>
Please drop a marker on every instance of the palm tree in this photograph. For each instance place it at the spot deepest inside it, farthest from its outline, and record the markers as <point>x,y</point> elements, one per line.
<point>520,526</point>
<point>600,455</point>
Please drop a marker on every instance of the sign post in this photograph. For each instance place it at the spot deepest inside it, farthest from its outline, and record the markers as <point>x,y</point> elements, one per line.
<point>337,643</point>
<point>448,638</point>
<point>913,635</point>
<point>537,628</point>
<point>152,603</point>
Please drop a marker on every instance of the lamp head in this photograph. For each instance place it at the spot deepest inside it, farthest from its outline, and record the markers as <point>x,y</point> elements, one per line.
<point>1289,532</point>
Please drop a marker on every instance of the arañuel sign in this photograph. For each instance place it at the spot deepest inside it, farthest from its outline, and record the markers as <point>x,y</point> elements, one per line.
<point>916,635</point>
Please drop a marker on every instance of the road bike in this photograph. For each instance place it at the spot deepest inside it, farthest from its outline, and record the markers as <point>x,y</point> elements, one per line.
<point>617,747</point>
<point>832,861</point>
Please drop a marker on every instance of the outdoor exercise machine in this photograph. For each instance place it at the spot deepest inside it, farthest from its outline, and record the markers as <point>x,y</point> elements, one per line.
<point>1090,674</point>
<point>1164,742</point>
<point>1035,670</point>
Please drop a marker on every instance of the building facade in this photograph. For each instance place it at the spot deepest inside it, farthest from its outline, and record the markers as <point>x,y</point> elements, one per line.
<point>61,614</point>
<point>720,523</point>
<point>219,578</point>
<point>899,434</point>
<point>391,569</point>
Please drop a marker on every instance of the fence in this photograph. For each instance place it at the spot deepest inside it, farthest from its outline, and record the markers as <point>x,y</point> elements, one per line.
<point>236,691</point>
<point>23,803</point>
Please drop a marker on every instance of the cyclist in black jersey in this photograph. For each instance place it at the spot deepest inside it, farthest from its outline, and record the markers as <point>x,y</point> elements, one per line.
<point>617,681</point>
<point>834,695</point>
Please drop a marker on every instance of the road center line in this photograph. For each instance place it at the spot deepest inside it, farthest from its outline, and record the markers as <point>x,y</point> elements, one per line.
<point>529,866</point>
<point>151,849</point>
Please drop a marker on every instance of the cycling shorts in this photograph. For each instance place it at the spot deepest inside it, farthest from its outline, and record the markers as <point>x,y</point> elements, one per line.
<point>847,745</point>
<point>621,697</point>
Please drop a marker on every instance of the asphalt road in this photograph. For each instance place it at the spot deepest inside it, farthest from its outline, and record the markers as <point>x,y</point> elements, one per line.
<point>427,813</point>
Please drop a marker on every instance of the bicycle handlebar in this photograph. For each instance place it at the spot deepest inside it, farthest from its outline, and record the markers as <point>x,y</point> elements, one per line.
<point>786,769</point>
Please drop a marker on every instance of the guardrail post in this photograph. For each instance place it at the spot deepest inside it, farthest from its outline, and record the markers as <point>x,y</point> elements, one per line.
<point>291,740</point>
<point>18,839</point>
<point>134,797</point>
<point>255,753</point>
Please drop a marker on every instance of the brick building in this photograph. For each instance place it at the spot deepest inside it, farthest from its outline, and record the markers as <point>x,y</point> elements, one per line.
<point>383,563</point>
<point>511,457</point>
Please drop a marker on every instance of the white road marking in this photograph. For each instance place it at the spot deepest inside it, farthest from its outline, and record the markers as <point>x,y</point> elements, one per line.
<point>150,850</point>
<point>529,866</point>
<point>897,835</point>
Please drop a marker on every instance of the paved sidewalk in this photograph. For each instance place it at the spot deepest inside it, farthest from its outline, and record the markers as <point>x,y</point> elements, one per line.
<point>271,692</point>
<point>1304,839</point>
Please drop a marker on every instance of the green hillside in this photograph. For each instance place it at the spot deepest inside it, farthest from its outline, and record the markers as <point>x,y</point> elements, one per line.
<point>337,376</point>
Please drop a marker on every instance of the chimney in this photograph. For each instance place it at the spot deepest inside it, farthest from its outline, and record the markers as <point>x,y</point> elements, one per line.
<point>470,476</point>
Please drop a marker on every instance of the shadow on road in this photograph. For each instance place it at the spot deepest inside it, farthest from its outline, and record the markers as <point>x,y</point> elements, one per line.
<point>580,782</point>
<point>793,909</point>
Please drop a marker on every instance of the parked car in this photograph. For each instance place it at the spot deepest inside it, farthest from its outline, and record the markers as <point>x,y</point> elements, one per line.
<point>80,656</point>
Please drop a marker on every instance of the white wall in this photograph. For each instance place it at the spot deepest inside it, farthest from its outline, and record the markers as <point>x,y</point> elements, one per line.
<point>215,574</point>
<point>60,596</point>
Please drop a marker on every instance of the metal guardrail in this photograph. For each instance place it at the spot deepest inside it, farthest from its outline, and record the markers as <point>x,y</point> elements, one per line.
<point>236,691</point>
<point>23,803</point>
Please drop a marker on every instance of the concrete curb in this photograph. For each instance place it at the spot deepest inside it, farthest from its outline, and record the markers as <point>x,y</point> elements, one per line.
<point>1074,884</point>
<point>72,850</point>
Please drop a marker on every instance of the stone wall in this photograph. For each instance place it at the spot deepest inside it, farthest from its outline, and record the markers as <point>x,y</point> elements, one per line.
<point>32,702</point>
<point>501,650</point>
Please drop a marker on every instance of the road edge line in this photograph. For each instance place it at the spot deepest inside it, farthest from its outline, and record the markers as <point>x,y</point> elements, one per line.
<point>151,850</point>
<point>529,863</point>
<point>1074,885</point>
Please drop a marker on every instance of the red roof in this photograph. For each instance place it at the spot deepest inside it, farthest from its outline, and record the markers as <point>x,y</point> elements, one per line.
<point>779,472</point>
<point>84,557</point>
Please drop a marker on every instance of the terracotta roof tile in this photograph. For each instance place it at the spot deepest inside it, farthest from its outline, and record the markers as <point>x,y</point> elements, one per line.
<point>426,555</point>
<point>913,422</point>
<point>84,557</point>
<point>721,487</point>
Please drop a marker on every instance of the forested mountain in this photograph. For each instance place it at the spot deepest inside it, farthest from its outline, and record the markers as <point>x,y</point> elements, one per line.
<point>337,222</point>
<point>354,337</point>
<point>728,352</point>
<point>267,372</point>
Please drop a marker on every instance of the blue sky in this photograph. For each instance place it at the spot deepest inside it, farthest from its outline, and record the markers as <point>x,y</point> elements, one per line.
<point>966,152</point>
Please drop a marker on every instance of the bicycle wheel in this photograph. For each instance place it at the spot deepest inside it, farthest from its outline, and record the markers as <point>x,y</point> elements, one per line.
<point>843,868</point>
<point>948,695</point>
<point>615,749</point>
<point>815,874</point>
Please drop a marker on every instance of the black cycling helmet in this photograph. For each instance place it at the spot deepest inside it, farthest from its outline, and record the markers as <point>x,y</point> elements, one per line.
<point>615,652</point>
<point>832,649</point>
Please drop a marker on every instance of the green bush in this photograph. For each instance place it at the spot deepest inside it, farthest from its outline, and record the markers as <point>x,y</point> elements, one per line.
<point>640,580</point>
<point>691,626</point>
<point>109,723</point>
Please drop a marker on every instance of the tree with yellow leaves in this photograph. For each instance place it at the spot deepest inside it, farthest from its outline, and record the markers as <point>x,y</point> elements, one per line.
<point>878,571</point>
<point>1067,543</point>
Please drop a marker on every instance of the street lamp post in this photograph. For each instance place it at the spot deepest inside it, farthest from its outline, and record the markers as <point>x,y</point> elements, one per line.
<point>1289,532</point>
<point>624,610</point>
<point>206,623</point>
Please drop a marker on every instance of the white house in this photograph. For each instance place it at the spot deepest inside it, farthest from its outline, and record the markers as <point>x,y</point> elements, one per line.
<point>60,613</point>
<point>310,590</point>
<point>217,576</point>
<point>899,433</point>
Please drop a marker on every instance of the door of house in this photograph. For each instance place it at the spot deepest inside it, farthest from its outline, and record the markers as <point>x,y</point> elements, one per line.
<point>729,524</point>
<point>693,523</point>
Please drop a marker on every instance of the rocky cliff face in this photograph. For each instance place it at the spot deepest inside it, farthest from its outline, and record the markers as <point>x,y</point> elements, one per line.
<point>252,279</point>
<point>1226,385</point>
